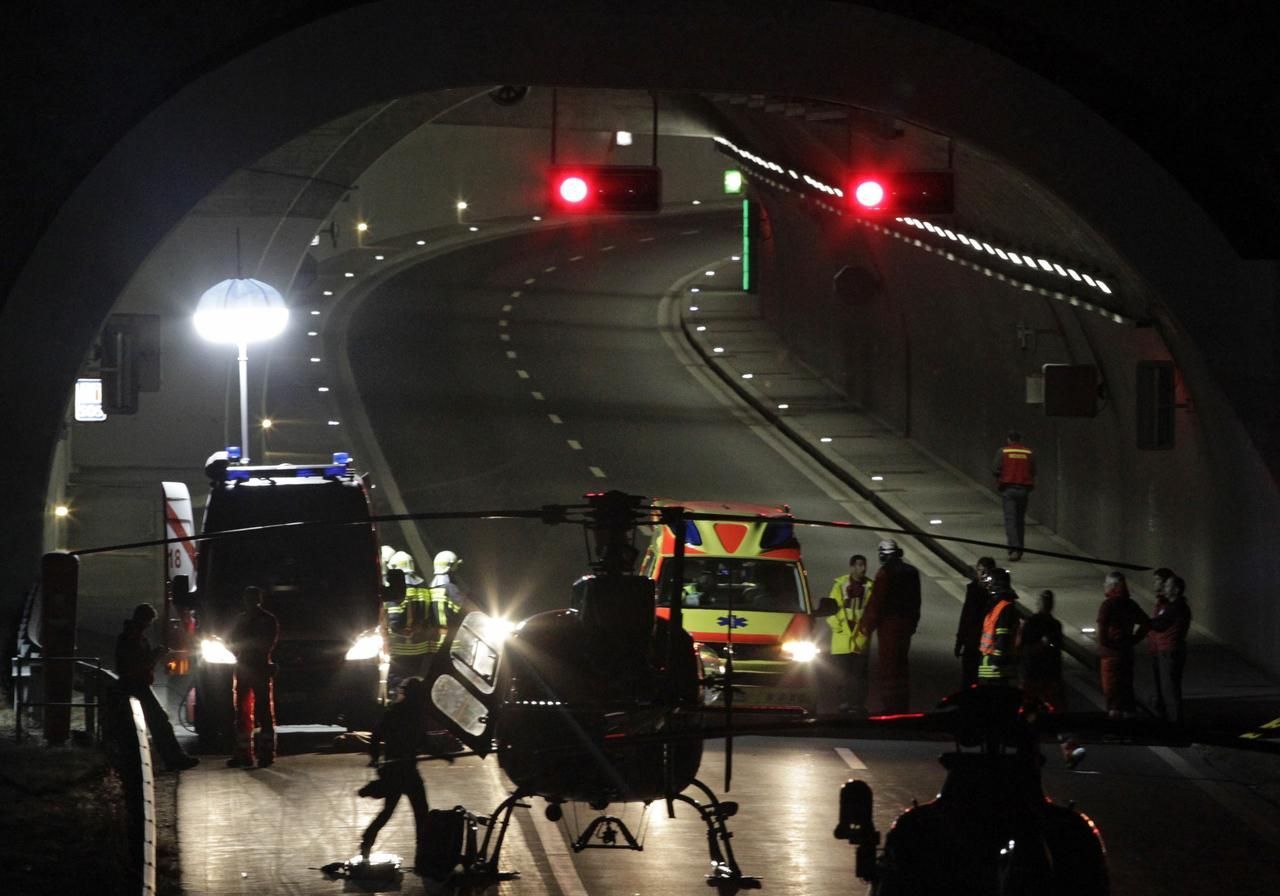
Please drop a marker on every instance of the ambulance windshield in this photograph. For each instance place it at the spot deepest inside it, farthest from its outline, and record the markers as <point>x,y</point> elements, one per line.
<point>720,583</point>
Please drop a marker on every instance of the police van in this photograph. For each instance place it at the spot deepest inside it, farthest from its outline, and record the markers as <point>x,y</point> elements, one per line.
<point>321,577</point>
<point>745,593</point>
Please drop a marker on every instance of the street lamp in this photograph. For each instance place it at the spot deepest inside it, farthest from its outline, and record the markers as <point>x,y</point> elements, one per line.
<point>237,312</point>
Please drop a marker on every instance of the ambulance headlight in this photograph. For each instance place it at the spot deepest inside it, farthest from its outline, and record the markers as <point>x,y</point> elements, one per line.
<point>367,647</point>
<point>212,650</point>
<point>801,651</point>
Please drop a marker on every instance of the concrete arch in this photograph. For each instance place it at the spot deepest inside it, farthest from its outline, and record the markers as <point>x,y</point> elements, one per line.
<point>376,52</point>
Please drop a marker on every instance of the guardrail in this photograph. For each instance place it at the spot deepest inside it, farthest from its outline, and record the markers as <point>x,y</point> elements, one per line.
<point>24,665</point>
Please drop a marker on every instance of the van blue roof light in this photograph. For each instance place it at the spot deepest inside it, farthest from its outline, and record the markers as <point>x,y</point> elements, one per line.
<point>335,470</point>
<point>341,458</point>
<point>233,452</point>
<point>233,474</point>
<point>304,472</point>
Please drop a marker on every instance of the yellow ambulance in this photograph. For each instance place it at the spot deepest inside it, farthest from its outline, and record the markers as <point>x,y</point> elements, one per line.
<point>744,593</point>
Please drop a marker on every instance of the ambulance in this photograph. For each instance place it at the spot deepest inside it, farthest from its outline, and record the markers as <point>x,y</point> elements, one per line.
<point>744,594</point>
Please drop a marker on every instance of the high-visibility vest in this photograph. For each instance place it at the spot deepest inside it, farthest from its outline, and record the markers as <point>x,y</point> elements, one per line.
<point>846,637</point>
<point>1017,466</point>
<point>999,635</point>
<point>419,634</point>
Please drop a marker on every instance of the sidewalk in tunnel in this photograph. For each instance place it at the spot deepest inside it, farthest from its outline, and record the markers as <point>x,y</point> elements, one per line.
<point>917,487</point>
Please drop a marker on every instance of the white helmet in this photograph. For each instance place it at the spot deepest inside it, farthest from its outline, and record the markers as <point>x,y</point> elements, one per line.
<point>402,561</point>
<point>445,561</point>
<point>386,552</point>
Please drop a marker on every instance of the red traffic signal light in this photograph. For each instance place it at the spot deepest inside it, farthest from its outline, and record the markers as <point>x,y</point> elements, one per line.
<point>602,189</point>
<point>903,193</point>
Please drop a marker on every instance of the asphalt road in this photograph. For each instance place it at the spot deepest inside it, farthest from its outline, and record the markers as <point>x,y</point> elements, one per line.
<point>535,369</point>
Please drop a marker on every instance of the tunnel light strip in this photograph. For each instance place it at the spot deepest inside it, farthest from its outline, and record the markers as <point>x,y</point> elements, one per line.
<point>1015,259</point>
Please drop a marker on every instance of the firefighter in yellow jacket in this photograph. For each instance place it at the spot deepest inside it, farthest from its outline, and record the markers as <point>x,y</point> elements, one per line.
<point>848,643</point>
<point>409,639</point>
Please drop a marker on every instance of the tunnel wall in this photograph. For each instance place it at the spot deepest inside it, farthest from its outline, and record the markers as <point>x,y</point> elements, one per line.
<point>936,355</point>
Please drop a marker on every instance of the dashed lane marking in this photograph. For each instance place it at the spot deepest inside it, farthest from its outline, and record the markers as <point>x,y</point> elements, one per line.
<point>511,354</point>
<point>850,758</point>
<point>575,444</point>
<point>506,307</point>
<point>502,323</point>
<point>597,472</point>
<point>647,239</point>
<point>523,374</point>
<point>607,248</point>
<point>516,294</point>
<point>538,396</point>
<point>690,232</point>
<point>548,270</point>
<point>576,258</point>
<point>505,337</point>
<point>530,281</point>
<point>555,418</point>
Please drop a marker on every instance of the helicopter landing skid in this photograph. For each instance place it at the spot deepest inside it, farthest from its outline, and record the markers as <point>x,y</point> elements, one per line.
<point>725,872</point>
<point>485,863</point>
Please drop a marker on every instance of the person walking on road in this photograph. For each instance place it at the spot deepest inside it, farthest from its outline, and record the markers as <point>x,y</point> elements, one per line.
<point>849,652</point>
<point>1167,641</point>
<point>1121,625</point>
<point>1015,471</point>
<point>1000,625</point>
<point>401,731</point>
<point>1041,650</point>
<point>893,614</point>
<point>136,669</point>
<point>252,640</point>
<point>969,631</point>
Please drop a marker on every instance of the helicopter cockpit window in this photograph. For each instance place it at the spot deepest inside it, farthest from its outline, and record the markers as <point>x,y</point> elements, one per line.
<point>718,583</point>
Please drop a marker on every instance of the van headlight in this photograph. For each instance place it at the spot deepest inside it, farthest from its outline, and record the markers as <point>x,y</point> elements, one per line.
<point>367,646</point>
<point>801,651</point>
<point>212,650</point>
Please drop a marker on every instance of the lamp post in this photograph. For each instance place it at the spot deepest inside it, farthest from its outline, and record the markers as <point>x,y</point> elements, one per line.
<point>237,312</point>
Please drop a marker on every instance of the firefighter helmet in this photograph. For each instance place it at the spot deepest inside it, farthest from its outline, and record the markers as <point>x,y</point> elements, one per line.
<point>402,561</point>
<point>446,561</point>
<point>889,549</point>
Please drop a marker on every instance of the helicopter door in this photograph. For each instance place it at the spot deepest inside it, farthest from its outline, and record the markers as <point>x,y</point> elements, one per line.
<point>463,681</point>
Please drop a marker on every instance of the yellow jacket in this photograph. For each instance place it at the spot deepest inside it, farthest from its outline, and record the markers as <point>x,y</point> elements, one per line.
<point>845,636</point>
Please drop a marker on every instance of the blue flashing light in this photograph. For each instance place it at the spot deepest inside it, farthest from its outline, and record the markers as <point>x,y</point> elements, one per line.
<point>335,470</point>
<point>304,472</point>
<point>233,452</point>
<point>691,534</point>
<point>778,535</point>
<point>341,457</point>
<point>238,474</point>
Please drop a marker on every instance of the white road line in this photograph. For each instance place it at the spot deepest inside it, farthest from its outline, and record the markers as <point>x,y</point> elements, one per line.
<point>555,418</point>
<point>511,354</point>
<point>689,232</point>
<point>850,758</point>
<point>607,248</point>
<point>647,239</point>
<point>506,307</point>
<point>597,472</point>
<point>530,280</point>
<point>505,337</point>
<point>502,323</point>
<point>523,374</point>
<point>576,258</point>
<point>575,445</point>
<point>548,270</point>
<point>516,294</point>
<point>538,396</point>
<point>558,856</point>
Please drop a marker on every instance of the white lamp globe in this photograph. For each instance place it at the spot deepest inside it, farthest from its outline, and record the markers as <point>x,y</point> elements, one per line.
<point>241,311</point>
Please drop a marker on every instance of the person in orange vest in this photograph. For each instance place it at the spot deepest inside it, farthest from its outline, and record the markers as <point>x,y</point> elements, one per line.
<point>1015,472</point>
<point>999,644</point>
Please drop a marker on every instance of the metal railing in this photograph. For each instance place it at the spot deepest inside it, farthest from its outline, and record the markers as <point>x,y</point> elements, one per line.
<point>92,690</point>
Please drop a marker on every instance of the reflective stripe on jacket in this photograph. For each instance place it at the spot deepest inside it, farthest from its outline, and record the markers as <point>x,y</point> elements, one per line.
<point>1016,465</point>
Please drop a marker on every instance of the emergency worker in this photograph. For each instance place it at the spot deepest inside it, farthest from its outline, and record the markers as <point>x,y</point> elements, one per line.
<point>969,630</point>
<point>410,641</point>
<point>849,653</point>
<point>1015,471</point>
<point>1167,642</point>
<point>252,640</point>
<point>999,643</point>
<point>136,668</point>
<point>893,613</point>
<point>1041,649</point>
<point>1121,625</point>
<point>447,596</point>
